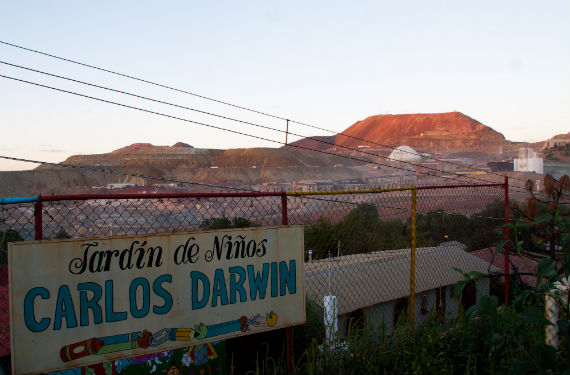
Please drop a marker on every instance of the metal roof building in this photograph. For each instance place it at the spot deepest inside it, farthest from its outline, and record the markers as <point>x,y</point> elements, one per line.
<point>405,154</point>
<point>364,280</point>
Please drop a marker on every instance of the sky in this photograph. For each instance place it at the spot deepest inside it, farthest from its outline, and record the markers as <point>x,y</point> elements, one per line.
<point>325,63</point>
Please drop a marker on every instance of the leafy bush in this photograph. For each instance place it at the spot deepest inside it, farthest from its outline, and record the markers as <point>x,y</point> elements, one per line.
<point>484,339</point>
<point>487,339</point>
<point>481,230</point>
<point>363,231</point>
<point>225,223</point>
<point>62,234</point>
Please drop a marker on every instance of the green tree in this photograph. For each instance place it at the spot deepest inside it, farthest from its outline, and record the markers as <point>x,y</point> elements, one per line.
<point>241,222</point>
<point>61,234</point>
<point>321,237</point>
<point>225,223</point>
<point>216,223</point>
<point>541,214</point>
<point>360,231</point>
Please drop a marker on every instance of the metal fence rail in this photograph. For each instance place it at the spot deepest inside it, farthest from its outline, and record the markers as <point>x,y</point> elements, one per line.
<point>451,223</point>
<point>108,215</point>
<point>383,254</point>
<point>359,245</point>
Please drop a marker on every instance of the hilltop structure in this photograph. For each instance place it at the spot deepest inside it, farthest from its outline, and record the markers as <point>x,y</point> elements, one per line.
<point>374,287</point>
<point>405,154</point>
<point>439,133</point>
<point>558,140</point>
<point>529,161</point>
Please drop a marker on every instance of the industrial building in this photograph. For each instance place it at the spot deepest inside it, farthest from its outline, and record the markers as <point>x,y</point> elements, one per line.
<point>374,288</point>
<point>529,161</point>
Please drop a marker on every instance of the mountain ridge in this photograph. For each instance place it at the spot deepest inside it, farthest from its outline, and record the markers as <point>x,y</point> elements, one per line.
<point>453,134</point>
<point>448,132</point>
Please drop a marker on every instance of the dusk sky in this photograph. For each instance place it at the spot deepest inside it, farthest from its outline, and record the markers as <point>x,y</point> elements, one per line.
<point>327,63</point>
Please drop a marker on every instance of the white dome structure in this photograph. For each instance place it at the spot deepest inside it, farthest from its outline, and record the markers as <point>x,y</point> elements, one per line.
<point>405,154</point>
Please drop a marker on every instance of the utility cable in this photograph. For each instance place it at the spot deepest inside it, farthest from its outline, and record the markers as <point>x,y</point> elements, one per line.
<point>141,80</point>
<point>211,126</point>
<point>186,182</point>
<point>203,124</point>
<point>220,116</point>
<point>128,174</point>
<point>172,180</point>
<point>220,101</point>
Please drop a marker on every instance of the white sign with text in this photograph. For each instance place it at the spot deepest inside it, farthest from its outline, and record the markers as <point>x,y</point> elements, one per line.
<point>84,301</point>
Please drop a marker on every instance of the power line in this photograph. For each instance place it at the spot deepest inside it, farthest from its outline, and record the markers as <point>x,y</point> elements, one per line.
<point>142,97</point>
<point>227,118</point>
<point>128,174</point>
<point>186,182</point>
<point>218,101</point>
<point>205,124</point>
<point>393,147</point>
<point>172,180</point>
<point>141,80</point>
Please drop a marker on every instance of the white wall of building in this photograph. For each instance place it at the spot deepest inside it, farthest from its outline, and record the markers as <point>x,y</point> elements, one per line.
<point>528,161</point>
<point>380,316</point>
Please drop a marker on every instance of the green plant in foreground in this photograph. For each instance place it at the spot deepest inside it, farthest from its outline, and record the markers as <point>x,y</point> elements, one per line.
<point>225,223</point>
<point>484,339</point>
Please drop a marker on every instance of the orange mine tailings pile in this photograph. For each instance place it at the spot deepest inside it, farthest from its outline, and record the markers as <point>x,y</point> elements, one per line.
<point>431,132</point>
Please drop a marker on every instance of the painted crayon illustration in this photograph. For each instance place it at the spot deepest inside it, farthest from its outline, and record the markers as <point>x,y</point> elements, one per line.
<point>145,339</point>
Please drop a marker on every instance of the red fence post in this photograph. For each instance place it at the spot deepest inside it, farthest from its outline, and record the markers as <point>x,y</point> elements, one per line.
<point>288,330</point>
<point>38,225</point>
<point>284,218</point>
<point>506,247</point>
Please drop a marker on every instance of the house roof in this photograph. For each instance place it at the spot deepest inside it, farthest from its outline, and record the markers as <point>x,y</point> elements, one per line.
<point>364,280</point>
<point>517,263</point>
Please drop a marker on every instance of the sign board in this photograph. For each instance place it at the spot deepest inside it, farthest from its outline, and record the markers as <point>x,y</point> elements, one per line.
<point>84,301</point>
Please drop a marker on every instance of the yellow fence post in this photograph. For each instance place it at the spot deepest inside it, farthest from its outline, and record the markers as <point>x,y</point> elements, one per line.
<point>413,189</point>
<point>411,305</point>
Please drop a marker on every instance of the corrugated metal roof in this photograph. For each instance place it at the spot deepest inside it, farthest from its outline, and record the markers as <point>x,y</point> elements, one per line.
<point>517,263</point>
<point>368,279</point>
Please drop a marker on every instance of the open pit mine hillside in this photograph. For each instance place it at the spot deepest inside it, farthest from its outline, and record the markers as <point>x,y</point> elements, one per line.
<point>235,167</point>
<point>437,133</point>
<point>443,135</point>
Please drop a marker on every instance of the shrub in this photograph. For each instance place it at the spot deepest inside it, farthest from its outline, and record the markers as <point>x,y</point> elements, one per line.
<point>225,223</point>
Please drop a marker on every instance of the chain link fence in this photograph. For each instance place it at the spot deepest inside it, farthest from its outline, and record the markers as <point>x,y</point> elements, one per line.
<point>375,257</point>
<point>357,253</point>
<point>77,218</point>
<point>453,226</point>
<point>16,224</point>
<point>358,250</point>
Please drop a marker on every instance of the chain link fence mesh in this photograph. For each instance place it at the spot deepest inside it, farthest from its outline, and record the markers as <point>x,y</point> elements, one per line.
<point>117,217</point>
<point>359,246</point>
<point>16,224</point>
<point>357,243</point>
<point>454,226</point>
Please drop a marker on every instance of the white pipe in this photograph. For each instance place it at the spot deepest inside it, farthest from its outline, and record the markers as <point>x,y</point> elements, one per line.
<point>330,275</point>
<point>331,321</point>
